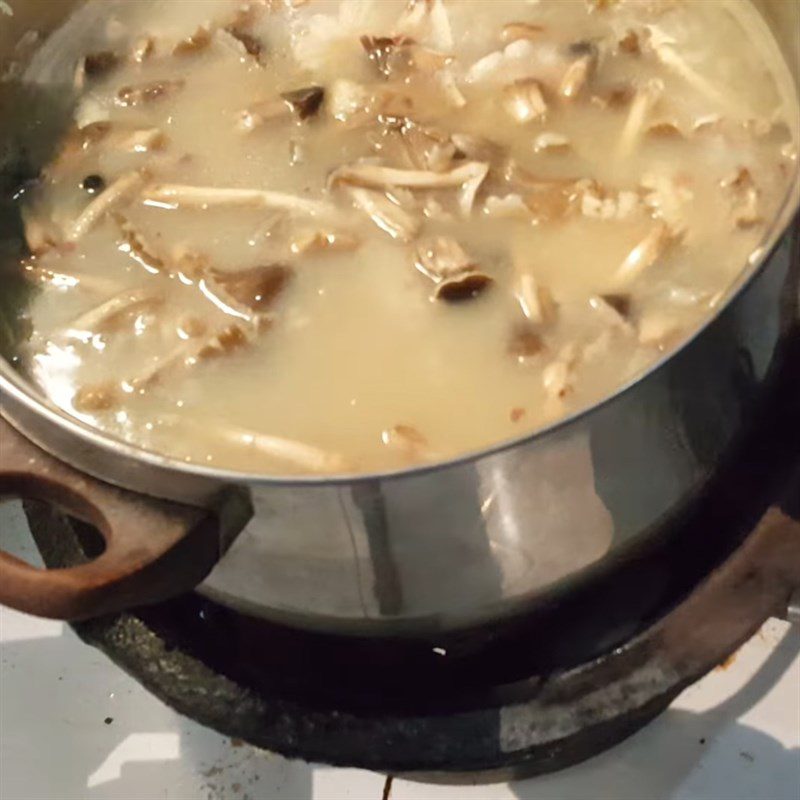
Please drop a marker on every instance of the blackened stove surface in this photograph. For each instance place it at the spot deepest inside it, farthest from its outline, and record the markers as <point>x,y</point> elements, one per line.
<point>572,676</point>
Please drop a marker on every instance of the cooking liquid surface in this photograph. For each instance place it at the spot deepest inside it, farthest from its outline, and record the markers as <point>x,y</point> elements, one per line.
<point>625,160</point>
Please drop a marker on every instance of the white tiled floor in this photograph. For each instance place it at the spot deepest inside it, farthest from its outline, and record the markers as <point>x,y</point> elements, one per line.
<point>74,727</point>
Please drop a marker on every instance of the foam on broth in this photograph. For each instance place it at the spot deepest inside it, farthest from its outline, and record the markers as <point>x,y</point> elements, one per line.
<point>625,156</point>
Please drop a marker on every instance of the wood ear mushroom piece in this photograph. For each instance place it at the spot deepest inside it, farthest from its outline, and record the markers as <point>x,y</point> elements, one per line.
<point>154,549</point>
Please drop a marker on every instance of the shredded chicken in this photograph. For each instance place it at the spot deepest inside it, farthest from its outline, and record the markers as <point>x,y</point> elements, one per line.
<point>427,149</point>
<point>523,100</point>
<point>536,301</point>
<point>645,254</point>
<point>663,46</point>
<point>576,77</point>
<point>117,194</point>
<point>388,216</point>
<point>513,31</point>
<point>510,206</point>
<point>597,203</point>
<point>745,199</point>
<point>349,102</point>
<point>45,275</point>
<point>288,452</point>
<point>182,196</point>
<point>558,375</point>
<point>643,103</point>
<point>468,176</point>
<point>104,316</point>
<point>41,234</point>
<point>409,441</point>
<point>551,142</point>
<point>658,329</point>
<point>476,148</point>
<point>134,244</point>
<point>190,352</point>
<point>452,93</point>
<point>320,241</point>
<point>427,21</point>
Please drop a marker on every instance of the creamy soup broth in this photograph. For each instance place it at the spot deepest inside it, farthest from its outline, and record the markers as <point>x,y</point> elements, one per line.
<point>348,236</point>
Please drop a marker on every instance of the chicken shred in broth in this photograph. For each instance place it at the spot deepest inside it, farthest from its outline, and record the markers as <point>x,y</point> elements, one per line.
<point>305,236</point>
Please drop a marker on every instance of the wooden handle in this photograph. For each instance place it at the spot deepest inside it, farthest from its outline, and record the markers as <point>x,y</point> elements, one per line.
<point>154,549</point>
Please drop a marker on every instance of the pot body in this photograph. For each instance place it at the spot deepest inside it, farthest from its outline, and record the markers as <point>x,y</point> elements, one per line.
<point>483,537</point>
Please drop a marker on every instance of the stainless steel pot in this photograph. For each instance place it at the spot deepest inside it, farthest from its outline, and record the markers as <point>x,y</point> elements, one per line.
<point>428,549</point>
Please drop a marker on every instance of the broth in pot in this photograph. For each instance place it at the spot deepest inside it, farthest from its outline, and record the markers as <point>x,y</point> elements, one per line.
<point>342,237</point>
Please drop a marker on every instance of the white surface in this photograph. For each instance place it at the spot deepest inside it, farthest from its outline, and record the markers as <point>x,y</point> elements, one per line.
<point>735,735</point>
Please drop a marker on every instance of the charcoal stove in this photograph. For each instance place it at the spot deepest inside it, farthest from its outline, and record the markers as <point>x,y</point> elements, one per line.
<point>516,697</point>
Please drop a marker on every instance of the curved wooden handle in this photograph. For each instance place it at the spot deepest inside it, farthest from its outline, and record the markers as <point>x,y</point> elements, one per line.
<point>154,549</point>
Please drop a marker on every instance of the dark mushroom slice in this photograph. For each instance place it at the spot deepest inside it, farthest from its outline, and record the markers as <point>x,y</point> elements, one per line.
<point>525,341</point>
<point>96,397</point>
<point>257,287</point>
<point>252,45</point>
<point>193,44</point>
<point>304,102</point>
<point>462,287</point>
<point>630,44</point>
<point>379,50</point>
<point>621,303</point>
<point>96,65</point>
<point>140,94</point>
<point>610,315</point>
